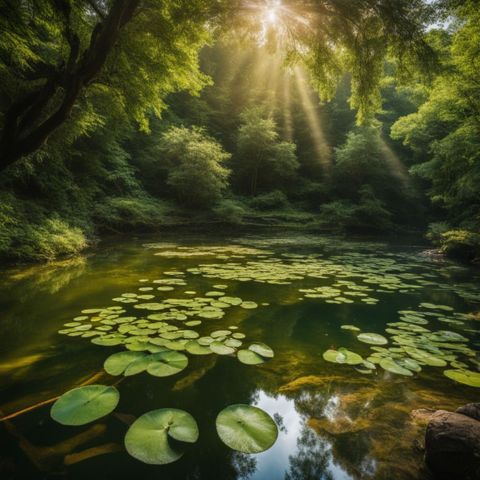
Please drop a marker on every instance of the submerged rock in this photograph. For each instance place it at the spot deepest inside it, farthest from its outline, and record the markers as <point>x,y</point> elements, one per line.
<point>452,443</point>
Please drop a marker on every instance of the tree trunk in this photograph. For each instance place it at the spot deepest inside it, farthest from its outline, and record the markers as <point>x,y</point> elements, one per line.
<point>22,134</point>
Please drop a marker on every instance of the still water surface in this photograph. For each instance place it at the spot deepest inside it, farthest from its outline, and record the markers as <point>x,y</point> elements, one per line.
<point>334,422</point>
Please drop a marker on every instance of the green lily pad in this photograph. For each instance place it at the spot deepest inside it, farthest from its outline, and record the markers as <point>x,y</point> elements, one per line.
<point>262,349</point>
<point>248,357</point>
<point>246,429</point>
<point>195,348</point>
<point>167,363</point>
<point>353,328</point>
<point>467,377</point>
<point>391,366</point>
<point>147,437</point>
<point>372,338</point>
<point>117,363</point>
<point>220,349</point>
<point>85,404</point>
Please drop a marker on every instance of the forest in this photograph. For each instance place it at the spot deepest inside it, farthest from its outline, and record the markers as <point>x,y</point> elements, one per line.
<point>241,121</point>
<point>240,239</point>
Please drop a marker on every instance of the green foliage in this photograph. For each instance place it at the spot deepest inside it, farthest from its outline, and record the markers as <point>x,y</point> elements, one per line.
<point>444,133</point>
<point>230,211</point>
<point>462,244</point>
<point>263,161</point>
<point>275,200</point>
<point>126,213</point>
<point>31,233</point>
<point>196,175</point>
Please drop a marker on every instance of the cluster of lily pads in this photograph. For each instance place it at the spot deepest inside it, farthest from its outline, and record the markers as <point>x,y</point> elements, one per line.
<point>414,346</point>
<point>241,427</point>
<point>157,343</point>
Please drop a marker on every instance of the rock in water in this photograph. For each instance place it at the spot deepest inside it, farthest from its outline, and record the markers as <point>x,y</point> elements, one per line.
<point>452,445</point>
<point>471,410</point>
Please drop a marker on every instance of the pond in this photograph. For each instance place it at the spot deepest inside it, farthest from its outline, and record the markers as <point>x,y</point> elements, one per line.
<point>361,334</point>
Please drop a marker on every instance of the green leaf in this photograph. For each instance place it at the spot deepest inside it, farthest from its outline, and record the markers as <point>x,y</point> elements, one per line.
<point>147,437</point>
<point>467,377</point>
<point>246,429</point>
<point>261,349</point>
<point>85,404</point>
<point>167,363</point>
<point>249,358</point>
<point>117,363</point>
<point>372,338</point>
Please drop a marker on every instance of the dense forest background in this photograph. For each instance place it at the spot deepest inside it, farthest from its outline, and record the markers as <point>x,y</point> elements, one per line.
<point>241,136</point>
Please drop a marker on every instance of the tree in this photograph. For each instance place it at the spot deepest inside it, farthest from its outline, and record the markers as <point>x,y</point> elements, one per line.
<point>261,157</point>
<point>444,133</point>
<point>196,174</point>
<point>53,53</point>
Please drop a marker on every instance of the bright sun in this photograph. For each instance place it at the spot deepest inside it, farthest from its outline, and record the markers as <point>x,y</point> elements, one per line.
<point>271,15</point>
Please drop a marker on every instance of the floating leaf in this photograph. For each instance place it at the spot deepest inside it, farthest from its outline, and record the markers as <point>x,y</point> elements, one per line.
<point>467,377</point>
<point>249,357</point>
<point>195,348</point>
<point>246,429</point>
<point>85,404</point>
<point>391,366</point>
<point>353,328</point>
<point>221,349</point>
<point>167,363</point>
<point>261,349</point>
<point>372,338</point>
<point>117,363</point>
<point>147,437</point>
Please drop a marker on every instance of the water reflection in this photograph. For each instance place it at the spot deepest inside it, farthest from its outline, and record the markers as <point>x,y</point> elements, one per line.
<point>299,453</point>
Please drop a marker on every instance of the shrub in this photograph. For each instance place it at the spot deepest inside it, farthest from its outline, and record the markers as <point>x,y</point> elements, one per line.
<point>275,200</point>
<point>123,213</point>
<point>462,244</point>
<point>230,211</point>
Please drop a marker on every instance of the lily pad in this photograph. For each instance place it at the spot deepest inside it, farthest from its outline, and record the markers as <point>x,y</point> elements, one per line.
<point>167,363</point>
<point>467,377</point>
<point>246,429</point>
<point>147,437</point>
<point>220,349</point>
<point>85,404</point>
<point>262,349</point>
<point>372,338</point>
<point>391,366</point>
<point>117,363</point>
<point>248,357</point>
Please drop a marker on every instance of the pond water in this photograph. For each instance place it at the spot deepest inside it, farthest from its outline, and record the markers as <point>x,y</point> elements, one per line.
<point>337,416</point>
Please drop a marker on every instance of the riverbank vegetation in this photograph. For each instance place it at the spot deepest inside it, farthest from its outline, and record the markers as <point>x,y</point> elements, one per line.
<point>127,117</point>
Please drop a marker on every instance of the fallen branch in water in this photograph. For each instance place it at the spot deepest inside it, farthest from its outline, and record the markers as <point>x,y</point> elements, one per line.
<point>90,380</point>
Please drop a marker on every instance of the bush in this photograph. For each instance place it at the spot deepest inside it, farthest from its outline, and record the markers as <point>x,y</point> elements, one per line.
<point>230,211</point>
<point>124,213</point>
<point>462,244</point>
<point>275,200</point>
<point>196,173</point>
<point>435,232</point>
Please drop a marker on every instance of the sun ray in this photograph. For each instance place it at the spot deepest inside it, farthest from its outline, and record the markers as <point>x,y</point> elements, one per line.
<point>322,148</point>
<point>396,166</point>
<point>287,107</point>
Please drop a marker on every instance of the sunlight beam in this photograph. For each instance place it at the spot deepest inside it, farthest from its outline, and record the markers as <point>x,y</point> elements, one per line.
<point>322,148</point>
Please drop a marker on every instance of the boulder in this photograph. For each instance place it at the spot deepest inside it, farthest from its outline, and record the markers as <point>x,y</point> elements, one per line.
<point>452,444</point>
<point>471,410</point>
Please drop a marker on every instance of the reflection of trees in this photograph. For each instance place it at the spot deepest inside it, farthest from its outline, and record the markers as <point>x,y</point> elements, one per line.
<point>312,458</point>
<point>245,465</point>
